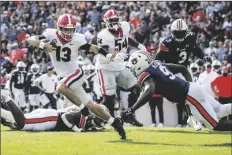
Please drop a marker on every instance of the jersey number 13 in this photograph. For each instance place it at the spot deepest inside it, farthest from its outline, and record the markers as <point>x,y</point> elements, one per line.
<point>63,54</point>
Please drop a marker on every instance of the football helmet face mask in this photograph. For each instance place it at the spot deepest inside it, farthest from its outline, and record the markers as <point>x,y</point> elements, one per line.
<point>21,66</point>
<point>66,26</point>
<point>112,20</point>
<point>35,68</point>
<point>194,68</point>
<point>139,61</point>
<point>179,30</point>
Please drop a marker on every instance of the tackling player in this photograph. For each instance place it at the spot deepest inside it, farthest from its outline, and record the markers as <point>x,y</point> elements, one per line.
<point>63,45</point>
<point>115,38</point>
<point>156,77</point>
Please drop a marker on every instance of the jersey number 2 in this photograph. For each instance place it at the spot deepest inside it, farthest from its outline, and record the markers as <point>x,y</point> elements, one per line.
<point>66,54</point>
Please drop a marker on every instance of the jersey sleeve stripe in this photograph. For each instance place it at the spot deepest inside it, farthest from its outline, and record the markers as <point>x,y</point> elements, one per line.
<point>162,47</point>
<point>142,77</point>
<point>41,120</point>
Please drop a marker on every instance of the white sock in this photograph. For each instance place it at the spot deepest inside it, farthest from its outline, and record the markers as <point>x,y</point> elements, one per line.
<point>7,115</point>
<point>110,121</point>
<point>225,110</point>
<point>117,114</point>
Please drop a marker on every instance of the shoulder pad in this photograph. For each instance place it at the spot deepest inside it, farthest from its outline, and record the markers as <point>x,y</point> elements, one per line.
<point>104,37</point>
<point>142,77</point>
<point>79,39</point>
<point>164,44</point>
<point>126,27</point>
<point>49,33</point>
<point>191,38</point>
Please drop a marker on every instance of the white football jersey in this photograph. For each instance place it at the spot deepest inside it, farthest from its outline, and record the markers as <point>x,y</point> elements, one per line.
<point>65,57</point>
<point>115,44</point>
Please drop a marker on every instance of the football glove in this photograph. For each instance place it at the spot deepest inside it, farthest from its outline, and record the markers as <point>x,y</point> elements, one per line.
<point>128,117</point>
<point>121,57</point>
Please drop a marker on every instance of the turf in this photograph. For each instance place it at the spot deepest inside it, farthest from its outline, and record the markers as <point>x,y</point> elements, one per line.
<point>141,141</point>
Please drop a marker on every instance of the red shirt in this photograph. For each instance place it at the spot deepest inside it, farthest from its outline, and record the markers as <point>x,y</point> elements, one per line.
<point>223,85</point>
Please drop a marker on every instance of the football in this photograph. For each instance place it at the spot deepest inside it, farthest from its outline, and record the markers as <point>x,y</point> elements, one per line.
<point>51,42</point>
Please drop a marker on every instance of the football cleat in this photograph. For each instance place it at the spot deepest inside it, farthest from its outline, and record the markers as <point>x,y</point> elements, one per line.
<point>118,126</point>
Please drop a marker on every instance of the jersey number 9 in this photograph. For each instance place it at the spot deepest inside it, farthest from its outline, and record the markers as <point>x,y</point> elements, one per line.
<point>167,72</point>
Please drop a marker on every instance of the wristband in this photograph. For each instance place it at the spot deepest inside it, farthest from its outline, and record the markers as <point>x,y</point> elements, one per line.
<point>41,45</point>
<point>103,51</point>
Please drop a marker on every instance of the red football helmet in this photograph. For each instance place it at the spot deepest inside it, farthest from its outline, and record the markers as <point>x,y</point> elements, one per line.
<point>66,26</point>
<point>112,19</point>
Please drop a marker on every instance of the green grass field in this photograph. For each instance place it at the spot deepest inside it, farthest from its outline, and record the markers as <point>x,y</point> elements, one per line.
<point>141,141</point>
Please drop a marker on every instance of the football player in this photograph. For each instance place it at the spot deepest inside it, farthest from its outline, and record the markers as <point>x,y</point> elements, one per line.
<point>115,38</point>
<point>68,119</point>
<point>63,45</point>
<point>159,78</point>
<point>178,47</point>
<point>195,71</point>
<point>17,84</point>
<point>217,66</point>
<point>32,92</point>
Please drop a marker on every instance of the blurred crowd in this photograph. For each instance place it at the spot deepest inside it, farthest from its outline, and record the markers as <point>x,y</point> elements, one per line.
<point>150,22</point>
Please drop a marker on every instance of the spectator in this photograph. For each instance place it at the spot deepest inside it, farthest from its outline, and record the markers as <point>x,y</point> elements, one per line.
<point>222,87</point>
<point>206,78</point>
<point>211,49</point>
<point>47,84</point>
<point>221,51</point>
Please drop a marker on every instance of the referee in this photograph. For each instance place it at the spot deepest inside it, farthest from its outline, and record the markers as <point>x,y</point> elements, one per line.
<point>47,83</point>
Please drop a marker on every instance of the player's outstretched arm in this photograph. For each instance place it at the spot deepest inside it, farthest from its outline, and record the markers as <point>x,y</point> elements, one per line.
<point>180,69</point>
<point>98,50</point>
<point>136,44</point>
<point>38,42</point>
<point>149,89</point>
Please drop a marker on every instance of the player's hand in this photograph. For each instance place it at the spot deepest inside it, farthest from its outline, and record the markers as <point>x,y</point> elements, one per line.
<point>121,57</point>
<point>48,47</point>
<point>207,59</point>
<point>128,117</point>
<point>111,56</point>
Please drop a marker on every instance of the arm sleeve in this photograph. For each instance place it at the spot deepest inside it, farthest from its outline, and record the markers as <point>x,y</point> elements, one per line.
<point>196,50</point>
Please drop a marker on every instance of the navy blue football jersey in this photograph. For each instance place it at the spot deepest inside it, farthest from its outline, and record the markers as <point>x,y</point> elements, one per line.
<point>177,52</point>
<point>168,85</point>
